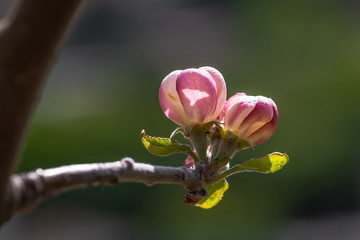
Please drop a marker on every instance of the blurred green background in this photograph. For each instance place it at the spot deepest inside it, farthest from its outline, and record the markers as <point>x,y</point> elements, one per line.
<point>103,89</point>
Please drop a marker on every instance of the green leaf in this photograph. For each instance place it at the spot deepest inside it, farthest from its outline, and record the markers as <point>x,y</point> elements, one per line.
<point>164,146</point>
<point>268,164</point>
<point>215,193</point>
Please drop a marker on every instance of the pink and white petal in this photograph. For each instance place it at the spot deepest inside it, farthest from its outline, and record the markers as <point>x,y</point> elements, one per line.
<point>170,102</point>
<point>220,90</point>
<point>230,102</point>
<point>236,97</point>
<point>197,93</point>
<point>237,112</point>
<point>264,133</point>
<point>261,114</point>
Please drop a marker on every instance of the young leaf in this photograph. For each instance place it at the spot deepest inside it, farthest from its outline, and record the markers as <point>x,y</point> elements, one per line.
<point>215,193</point>
<point>164,146</point>
<point>268,164</point>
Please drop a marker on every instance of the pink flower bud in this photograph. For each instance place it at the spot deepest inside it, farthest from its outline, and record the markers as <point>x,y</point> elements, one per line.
<point>189,162</point>
<point>193,96</point>
<point>252,118</point>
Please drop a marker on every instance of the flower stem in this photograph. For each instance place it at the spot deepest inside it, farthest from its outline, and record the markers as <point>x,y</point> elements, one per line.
<point>199,139</point>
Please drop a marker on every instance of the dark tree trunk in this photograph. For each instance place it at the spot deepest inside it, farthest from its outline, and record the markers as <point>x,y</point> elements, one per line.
<point>30,36</point>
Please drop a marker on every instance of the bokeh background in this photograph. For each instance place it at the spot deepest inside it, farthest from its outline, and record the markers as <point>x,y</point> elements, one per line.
<point>102,91</point>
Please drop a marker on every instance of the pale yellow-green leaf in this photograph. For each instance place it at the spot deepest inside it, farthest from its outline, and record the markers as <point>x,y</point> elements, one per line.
<point>216,192</point>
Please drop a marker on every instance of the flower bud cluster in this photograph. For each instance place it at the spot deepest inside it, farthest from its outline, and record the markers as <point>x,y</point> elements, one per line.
<point>197,97</point>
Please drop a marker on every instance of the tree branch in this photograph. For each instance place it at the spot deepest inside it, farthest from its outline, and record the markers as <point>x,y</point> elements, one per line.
<point>30,36</point>
<point>26,189</point>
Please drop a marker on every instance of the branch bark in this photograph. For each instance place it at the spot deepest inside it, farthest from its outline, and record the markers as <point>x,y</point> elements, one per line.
<point>26,189</point>
<point>30,36</point>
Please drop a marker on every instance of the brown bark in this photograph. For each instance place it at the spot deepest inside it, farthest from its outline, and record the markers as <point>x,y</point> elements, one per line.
<point>30,36</point>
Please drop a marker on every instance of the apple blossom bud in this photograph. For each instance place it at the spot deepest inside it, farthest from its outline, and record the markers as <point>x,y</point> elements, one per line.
<point>252,118</point>
<point>189,163</point>
<point>193,96</point>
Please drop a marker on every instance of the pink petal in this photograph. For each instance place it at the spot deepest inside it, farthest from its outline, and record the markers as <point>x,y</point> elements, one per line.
<point>265,132</point>
<point>230,102</point>
<point>220,90</point>
<point>240,108</point>
<point>197,92</point>
<point>189,162</point>
<point>170,102</point>
<point>259,116</point>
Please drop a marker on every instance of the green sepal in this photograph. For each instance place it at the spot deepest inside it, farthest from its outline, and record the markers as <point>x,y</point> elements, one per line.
<point>215,194</point>
<point>208,126</point>
<point>238,142</point>
<point>176,131</point>
<point>205,128</point>
<point>221,130</point>
<point>165,146</point>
